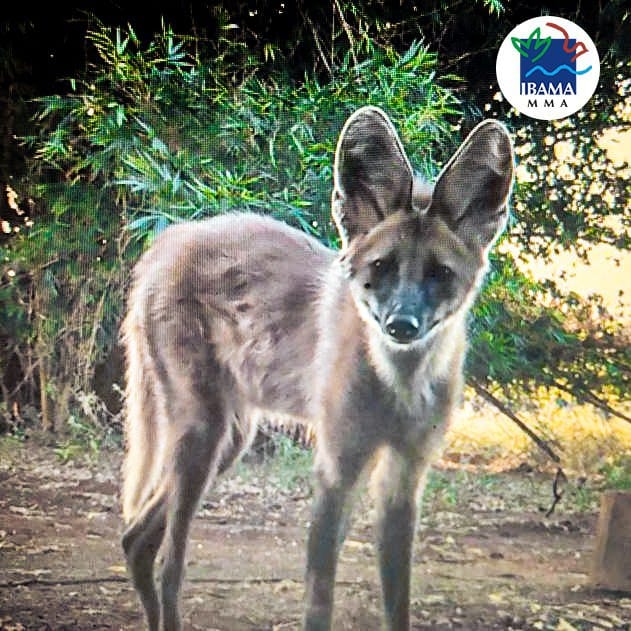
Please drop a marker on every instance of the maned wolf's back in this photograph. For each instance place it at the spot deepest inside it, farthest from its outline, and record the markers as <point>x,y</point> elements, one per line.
<point>248,287</point>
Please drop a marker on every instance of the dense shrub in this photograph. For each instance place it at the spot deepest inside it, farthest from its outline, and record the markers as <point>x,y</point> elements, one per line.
<point>160,131</point>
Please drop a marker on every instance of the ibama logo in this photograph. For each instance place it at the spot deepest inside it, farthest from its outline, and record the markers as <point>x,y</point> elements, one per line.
<point>548,68</point>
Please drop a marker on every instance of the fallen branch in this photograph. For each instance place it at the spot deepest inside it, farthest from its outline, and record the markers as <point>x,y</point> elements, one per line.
<point>50,582</point>
<point>557,490</point>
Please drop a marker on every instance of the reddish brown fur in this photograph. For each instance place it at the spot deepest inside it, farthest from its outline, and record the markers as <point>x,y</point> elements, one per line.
<point>241,317</point>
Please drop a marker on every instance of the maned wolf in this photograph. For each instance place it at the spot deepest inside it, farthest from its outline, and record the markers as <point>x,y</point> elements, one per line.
<point>241,317</point>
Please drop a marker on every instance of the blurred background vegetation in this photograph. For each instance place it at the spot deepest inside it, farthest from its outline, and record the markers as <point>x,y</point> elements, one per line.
<point>118,123</point>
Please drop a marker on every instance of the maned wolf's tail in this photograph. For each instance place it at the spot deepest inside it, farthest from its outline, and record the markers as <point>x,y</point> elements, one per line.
<point>142,463</point>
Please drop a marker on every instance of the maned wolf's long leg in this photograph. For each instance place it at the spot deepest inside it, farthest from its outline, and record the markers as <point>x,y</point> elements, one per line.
<point>322,550</point>
<point>194,437</point>
<point>195,458</point>
<point>326,535</point>
<point>141,543</point>
<point>167,516</point>
<point>397,491</point>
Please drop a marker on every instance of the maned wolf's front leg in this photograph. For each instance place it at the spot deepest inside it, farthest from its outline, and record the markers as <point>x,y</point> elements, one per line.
<point>331,509</point>
<point>398,481</point>
<point>325,538</point>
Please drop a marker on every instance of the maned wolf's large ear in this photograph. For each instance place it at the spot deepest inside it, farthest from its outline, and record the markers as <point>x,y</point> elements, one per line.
<point>372,176</point>
<point>472,190</point>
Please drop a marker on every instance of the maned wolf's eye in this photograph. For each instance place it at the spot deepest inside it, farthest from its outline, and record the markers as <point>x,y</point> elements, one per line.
<point>440,273</point>
<point>383,265</point>
<point>379,268</point>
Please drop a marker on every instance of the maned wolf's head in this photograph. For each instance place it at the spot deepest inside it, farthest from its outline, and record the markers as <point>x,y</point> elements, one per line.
<point>415,259</point>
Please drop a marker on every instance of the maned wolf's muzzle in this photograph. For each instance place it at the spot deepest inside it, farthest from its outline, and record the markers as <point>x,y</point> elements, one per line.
<point>411,319</point>
<point>403,328</point>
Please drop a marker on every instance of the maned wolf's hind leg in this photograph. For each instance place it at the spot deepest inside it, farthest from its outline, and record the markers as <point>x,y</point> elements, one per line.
<point>141,542</point>
<point>195,458</point>
<point>165,520</point>
<point>195,434</point>
<point>397,480</point>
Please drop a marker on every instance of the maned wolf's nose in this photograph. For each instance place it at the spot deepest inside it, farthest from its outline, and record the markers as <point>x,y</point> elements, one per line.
<point>403,328</point>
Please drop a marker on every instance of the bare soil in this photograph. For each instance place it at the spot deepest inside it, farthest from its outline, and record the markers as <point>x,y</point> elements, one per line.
<point>486,557</point>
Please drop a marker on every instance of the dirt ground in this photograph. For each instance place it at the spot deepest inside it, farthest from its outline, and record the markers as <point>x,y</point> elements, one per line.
<point>486,557</point>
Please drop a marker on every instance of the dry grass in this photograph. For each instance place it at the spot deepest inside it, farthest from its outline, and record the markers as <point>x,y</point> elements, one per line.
<point>586,439</point>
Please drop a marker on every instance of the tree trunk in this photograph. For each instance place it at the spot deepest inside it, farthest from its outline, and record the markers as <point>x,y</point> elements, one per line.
<point>47,420</point>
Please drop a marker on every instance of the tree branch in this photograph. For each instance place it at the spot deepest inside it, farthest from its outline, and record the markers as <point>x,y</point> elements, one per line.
<point>593,400</point>
<point>316,39</point>
<point>347,30</point>
<point>542,444</point>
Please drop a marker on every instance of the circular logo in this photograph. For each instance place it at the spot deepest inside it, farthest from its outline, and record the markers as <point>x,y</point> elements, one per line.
<point>547,68</point>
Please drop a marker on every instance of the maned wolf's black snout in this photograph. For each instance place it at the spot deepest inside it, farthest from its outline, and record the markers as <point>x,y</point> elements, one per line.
<point>402,327</point>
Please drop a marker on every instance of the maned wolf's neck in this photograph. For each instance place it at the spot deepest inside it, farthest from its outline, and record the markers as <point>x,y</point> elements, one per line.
<point>414,373</point>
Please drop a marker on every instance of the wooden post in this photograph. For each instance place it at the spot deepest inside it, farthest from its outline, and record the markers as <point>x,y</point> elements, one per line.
<point>612,557</point>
